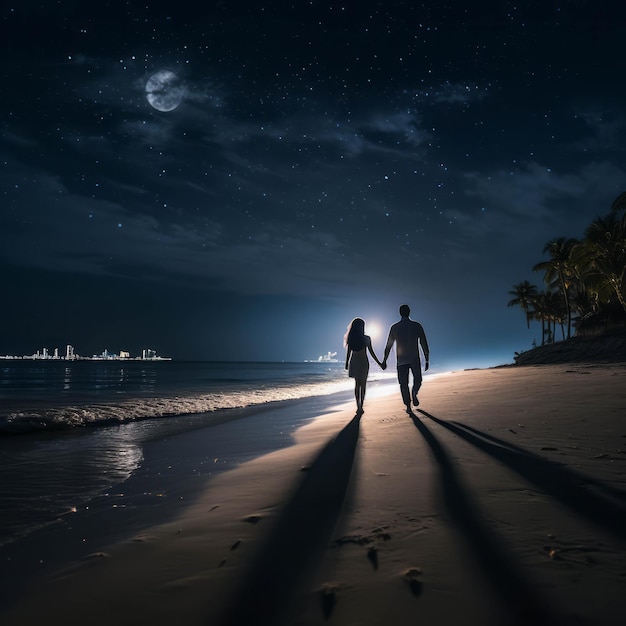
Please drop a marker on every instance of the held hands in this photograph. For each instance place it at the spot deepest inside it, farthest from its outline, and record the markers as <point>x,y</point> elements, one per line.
<point>383,365</point>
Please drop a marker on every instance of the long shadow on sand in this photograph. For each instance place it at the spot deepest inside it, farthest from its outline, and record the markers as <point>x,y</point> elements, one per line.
<point>298,538</point>
<point>519,599</point>
<point>588,498</point>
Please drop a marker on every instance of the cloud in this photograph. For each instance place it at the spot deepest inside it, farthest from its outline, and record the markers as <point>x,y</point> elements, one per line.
<point>528,191</point>
<point>534,204</point>
<point>18,141</point>
<point>402,126</point>
<point>81,235</point>
<point>606,127</point>
<point>447,92</point>
<point>322,135</point>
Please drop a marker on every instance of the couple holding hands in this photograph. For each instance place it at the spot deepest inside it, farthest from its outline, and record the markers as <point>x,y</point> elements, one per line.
<point>408,336</point>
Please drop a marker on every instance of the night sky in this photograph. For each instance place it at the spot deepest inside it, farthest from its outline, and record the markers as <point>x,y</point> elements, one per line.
<point>319,161</point>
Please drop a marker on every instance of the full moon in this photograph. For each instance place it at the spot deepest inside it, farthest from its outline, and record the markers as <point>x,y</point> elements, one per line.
<point>164,90</point>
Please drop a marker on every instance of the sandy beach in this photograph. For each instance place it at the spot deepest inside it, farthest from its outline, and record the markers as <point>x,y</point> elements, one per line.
<point>501,500</point>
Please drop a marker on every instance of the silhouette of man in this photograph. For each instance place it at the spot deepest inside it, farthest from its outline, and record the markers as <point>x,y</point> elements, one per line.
<point>408,336</point>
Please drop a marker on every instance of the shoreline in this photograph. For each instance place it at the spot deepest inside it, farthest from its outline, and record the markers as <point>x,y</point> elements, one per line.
<point>179,459</point>
<point>367,511</point>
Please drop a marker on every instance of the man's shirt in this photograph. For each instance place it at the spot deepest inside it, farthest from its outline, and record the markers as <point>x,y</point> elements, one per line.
<point>408,336</point>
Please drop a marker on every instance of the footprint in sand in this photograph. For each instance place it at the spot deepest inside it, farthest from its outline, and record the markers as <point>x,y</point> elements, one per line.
<point>381,533</point>
<point>376,534</point>
<point>328,598</point>
<point>411,577</point>
<point>96,555</point>
<point>372,555</point>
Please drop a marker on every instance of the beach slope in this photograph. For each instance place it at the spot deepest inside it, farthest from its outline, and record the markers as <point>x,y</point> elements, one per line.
<point>500,500</point>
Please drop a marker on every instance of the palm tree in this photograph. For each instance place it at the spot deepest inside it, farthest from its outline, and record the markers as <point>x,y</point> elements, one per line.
<point>557,311</point>
<point>524,293</point>
<point>619,204</point>
<point>539,312</point>
<point>592,289</point>
<point>604,249</point>
<point>559,271</point>
<point>585,302</point>
<point>548,308</point>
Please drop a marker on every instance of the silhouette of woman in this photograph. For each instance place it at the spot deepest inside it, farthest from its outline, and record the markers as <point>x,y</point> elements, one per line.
<point>357,344</point>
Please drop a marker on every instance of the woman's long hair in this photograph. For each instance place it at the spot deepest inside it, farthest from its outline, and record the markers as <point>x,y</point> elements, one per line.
<point>355,337</point>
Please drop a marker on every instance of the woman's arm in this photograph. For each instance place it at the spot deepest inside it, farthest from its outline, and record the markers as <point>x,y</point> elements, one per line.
<point>371,350</point>
<point>348,351</point>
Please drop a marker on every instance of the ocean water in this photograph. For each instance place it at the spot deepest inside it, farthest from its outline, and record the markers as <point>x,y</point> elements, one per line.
<point>56,395</point>
<point>74,435</point>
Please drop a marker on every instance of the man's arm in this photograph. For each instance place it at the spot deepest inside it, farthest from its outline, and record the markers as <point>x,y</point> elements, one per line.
<point>425,348</point>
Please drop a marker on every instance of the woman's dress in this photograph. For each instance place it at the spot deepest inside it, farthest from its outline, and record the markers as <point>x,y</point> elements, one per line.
<point>359,365</point>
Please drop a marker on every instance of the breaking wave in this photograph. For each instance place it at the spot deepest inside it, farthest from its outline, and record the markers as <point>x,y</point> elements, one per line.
<point>73,416</point>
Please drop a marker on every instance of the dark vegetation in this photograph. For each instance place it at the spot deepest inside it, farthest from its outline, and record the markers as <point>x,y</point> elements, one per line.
<point>585,284</point>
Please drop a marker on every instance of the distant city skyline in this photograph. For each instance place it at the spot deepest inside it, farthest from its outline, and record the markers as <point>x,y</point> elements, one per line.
<point>43,354</point>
